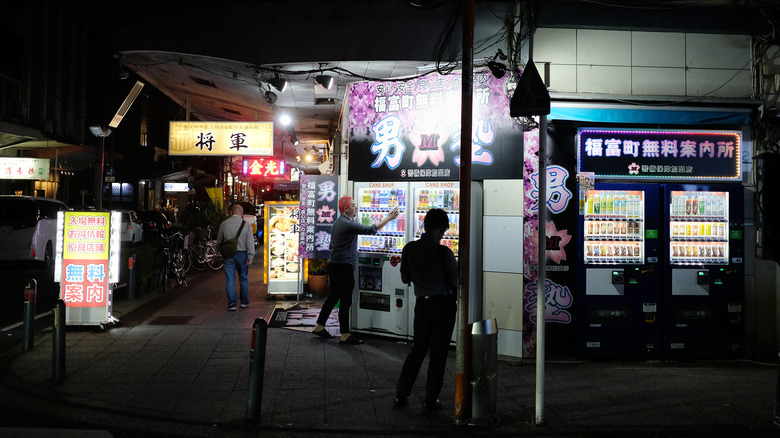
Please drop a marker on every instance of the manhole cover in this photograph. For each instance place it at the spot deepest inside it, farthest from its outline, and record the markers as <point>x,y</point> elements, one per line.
<point>171,320</point>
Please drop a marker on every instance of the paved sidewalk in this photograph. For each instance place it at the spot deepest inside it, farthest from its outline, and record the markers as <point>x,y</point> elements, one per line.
<point>178,364</point>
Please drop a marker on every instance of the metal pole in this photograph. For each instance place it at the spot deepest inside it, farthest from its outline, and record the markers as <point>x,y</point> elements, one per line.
<point>254,394</point>
<point>131,277</point>
<point>462,371</point>
<point>30,295</point>
<point>541,279</point>
<point>58,344</point>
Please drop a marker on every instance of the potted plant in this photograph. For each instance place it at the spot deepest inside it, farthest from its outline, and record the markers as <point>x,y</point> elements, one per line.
<point>318,276</point>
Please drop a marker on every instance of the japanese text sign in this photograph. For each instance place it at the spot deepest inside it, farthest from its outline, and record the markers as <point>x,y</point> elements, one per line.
<point>85,257</point>
<point>410,130</point>
<point>265,169</point>
<point>24,168</point>
<point>658,154</point>
<point>319,205</point>
<point>221,138</point>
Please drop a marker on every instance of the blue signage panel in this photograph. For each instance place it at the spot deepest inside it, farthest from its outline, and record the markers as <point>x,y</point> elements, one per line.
<point>659,154</point>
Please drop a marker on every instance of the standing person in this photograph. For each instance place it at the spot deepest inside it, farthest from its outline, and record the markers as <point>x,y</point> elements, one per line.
<point>434,271</point>
<point>341,267</point>
<point>240,261</point>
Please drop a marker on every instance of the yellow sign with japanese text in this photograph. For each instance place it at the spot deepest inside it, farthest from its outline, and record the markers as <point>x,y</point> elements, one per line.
<point>221,138</point>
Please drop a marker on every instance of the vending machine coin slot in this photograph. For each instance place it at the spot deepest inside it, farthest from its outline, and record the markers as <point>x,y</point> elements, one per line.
<point>703,277</point>
<point>618,277</point>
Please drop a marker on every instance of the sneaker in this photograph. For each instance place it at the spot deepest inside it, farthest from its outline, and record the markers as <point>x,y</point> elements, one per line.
<point>232,308</point>
<point>244,306</point>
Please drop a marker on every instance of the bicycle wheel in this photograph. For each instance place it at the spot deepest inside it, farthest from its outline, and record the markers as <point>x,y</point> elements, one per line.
<point>179,270</point>
<point>198,257</point>
<point>166,271</point>
<point>185,259</point>
<point>214,257</point>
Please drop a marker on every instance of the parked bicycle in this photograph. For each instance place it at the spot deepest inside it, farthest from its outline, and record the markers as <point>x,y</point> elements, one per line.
<point>173,251</point>
<point>204,252</point>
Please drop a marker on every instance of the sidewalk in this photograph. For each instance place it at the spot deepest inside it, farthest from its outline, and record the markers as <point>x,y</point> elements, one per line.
<point>178,364</point>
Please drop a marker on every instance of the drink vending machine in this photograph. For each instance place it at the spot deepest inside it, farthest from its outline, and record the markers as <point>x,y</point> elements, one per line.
<point>383,303</point>
<point>620,275</point>
<point>704,277</point>
<point>381,297</point>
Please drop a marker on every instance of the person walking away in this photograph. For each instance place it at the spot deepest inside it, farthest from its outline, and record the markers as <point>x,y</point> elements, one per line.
<point>434,271</point>
<point>341,267</point>
<point>240,261</point>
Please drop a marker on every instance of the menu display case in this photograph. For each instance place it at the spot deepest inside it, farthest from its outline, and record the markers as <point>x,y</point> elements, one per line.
<point>281,246</point>
<point>614,227</point>
<point>699,227</point>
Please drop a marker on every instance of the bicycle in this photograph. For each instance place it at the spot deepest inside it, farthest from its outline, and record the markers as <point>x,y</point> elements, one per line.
<point>174,260</point>
<point>204,253</point>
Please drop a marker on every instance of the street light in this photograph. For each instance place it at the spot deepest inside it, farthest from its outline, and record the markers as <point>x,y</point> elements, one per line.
<point>99,131</point>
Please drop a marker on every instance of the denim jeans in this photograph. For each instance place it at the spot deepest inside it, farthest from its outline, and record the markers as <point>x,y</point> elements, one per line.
<point>234,264</point>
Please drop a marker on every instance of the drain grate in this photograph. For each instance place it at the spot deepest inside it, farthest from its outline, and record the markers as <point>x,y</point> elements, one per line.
<point>171,320</point>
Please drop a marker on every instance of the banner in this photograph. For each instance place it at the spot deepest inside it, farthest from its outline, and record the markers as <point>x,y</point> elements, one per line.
<point>319,207</point>
<point>410,130</point>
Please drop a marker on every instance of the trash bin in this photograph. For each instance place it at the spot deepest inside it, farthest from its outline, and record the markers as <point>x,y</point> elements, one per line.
<point>484,352</point>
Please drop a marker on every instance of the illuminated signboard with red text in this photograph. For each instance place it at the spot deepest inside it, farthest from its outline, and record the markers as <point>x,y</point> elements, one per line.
<point>85,259</point>
<point>87,263</point>
<point>265,169</point>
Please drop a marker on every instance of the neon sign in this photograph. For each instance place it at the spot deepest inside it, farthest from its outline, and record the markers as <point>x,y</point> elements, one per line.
<point>268,169</point>
<point>657,154</point>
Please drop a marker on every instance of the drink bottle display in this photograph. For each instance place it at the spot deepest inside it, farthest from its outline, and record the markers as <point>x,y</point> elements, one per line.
<point>614,227</point>
<point>699,231</point>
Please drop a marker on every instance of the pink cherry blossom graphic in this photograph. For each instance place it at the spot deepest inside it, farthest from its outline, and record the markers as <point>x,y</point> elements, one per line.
<point>556,241</point>
<point>325,214</point>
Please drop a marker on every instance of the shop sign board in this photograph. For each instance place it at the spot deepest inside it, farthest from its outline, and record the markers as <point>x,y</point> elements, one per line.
<point>643,154</point>
<point>410,130</point>
<point>24,168</point>
<point>221,138</point>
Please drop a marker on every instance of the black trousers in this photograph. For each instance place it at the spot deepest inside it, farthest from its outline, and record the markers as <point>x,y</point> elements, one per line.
<point>342,283</point>
<point>434,319</point>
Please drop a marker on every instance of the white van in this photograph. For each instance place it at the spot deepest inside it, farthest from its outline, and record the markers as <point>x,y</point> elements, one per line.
<point>28,228</point>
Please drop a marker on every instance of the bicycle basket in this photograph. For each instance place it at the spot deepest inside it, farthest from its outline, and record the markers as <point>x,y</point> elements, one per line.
<point>174,242</point>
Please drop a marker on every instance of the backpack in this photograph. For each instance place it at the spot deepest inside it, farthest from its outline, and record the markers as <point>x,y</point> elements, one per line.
<point>229,247</point>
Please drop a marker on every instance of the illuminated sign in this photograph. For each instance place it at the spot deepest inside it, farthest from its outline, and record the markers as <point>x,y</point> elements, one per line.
<point>659,155</point>
<point>24,168</point>
<point>318,208</point>
<point>177,187</point>
<point>410,130</point>
<point>221,138</point>
<point>84,262</point>
<point>266,169</point>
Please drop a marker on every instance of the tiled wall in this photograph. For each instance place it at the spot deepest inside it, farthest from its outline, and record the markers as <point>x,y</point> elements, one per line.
<point>645,63</point>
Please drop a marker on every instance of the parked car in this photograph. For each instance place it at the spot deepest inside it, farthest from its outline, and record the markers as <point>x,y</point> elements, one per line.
<point>28,228</point>
<point>156,224</point>
<point>132,227</point>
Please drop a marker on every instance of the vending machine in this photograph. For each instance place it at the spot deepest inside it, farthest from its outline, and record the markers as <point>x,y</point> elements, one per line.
<point>382,299</point>
<point>704,292</point>
<point>620,273</point>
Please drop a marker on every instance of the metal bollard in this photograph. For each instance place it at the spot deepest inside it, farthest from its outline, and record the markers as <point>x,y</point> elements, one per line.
<point>484,352</point>
<point>58,344</point>
<point>254,394</point>
<point>30,295</point>
<point>131,277</point>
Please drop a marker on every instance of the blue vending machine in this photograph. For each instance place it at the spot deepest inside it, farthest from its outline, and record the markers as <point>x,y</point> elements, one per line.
<point>620,272</point>
<point>704,280</point>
